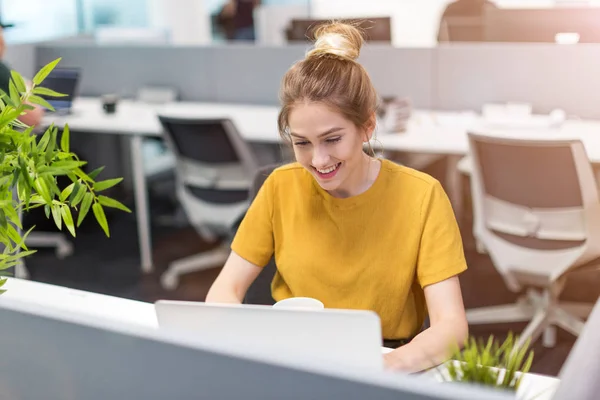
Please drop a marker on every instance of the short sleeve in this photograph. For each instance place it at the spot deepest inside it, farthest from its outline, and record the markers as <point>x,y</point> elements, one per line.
<point>253,240</point>
<point>441,254</point>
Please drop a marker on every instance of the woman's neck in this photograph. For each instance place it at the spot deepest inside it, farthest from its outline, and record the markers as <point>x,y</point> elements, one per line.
<point>363,178</point>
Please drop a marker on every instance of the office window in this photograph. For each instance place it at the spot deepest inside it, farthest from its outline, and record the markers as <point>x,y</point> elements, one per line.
<point>37,20</point>
<point>119,13</point>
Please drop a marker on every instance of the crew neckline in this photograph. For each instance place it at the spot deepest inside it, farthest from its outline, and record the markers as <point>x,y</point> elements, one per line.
<point>353,201</point>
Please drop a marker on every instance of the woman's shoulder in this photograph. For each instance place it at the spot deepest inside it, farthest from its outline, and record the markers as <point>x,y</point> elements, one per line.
<point>287,175</point>
<point>402,176</point>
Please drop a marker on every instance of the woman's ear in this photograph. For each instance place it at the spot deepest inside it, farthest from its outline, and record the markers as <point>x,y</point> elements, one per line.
<point>369,127</point>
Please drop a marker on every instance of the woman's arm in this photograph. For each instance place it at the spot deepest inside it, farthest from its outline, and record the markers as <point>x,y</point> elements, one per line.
<point>234,280</point>
<point>448,328</point>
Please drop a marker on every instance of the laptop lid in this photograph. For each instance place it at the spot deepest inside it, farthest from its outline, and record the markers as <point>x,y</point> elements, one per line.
<point>300,336</point>
<point>65,81</point>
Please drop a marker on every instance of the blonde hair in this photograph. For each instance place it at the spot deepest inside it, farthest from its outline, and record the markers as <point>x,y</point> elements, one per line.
<point>330,74</point>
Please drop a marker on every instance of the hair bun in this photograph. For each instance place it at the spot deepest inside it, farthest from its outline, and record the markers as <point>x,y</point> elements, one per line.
<point>338,40</point>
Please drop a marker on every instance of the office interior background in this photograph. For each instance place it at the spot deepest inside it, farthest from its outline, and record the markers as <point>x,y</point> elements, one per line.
<point>178,48</point>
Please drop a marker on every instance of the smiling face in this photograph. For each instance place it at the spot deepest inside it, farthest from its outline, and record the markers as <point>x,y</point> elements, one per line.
<point>329,146</point>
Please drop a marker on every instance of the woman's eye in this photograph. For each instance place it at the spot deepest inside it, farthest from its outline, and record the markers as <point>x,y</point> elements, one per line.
<point>333,140</point>
<point>300,143</point>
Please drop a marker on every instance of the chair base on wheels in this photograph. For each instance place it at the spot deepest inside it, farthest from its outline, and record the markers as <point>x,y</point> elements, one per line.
<point>543,312</point>
<point>197,262</point>
<point>64,248</point>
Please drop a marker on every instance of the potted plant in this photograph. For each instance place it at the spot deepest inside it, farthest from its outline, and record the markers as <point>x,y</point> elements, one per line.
<point>29,167</point>
<point>491,363</point>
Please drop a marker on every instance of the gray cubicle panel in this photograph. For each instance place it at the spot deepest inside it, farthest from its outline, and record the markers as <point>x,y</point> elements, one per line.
<point>21,58</point>
<point>401,72</point>
<point>250,74</point>
<point>231,73</point>
<point>125,69</point>
<point>545,75</point>
<point>49,358</point>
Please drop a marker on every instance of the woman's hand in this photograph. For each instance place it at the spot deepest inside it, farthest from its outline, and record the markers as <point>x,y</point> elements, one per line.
<point>449,328</point>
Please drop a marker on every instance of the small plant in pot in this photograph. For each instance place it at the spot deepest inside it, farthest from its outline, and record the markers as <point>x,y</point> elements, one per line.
<point>491,363</point>
<point>29,167</point>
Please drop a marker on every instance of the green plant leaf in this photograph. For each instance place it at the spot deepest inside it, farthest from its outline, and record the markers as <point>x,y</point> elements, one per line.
<point>106,184</point>
<point>65,212</point>
<point>108,202</point>
<point>67,192</point>
<point>43,73</point>
<point>77,194</point>
<point>55,208</point>
<point>95,172</point>
<point>14,93</point>
<point>101,218</point>
<point>47,210</point>
<point>42,188</point>
<point>35,99</point>
<point>19,81</point>
<point>47,92</point>
<point>41,146</point>
<point>64,139</point>
<point>13,216</point>
<point>85,207</point>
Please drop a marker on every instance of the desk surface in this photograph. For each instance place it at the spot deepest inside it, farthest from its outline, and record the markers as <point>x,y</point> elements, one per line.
<point>427,131</point>
<point>112,308</point>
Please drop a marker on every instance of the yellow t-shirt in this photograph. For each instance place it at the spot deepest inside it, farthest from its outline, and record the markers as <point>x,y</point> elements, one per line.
<point>374,251</point>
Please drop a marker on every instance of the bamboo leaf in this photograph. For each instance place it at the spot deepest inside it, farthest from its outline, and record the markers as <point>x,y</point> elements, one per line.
<point>106,184</point>
<point>67,192</point>
<point>35,99</point>
<point>85,207</point>
<point>19,81</point>
<point>108,202</point>
<point>101,218</point>
<point>44,191</point>
<point>13,216</point>
<point>14,93</point>
<point>95,172</point>
<point>64,140</point>
<point>43,73</point>
<point>55,208</point>
<point>47,92</point>
<point>65,212</point>
<point>79,196</point>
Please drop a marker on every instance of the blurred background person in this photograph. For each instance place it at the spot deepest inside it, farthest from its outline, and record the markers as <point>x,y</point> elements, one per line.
<point>30,117</point>
<point>237,19</point>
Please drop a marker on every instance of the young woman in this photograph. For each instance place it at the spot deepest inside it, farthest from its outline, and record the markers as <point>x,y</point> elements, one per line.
<point>347,228</point>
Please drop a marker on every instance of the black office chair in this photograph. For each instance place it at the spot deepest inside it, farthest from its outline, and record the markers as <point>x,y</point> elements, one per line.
<point>260,290</point>
<point>214,168</point>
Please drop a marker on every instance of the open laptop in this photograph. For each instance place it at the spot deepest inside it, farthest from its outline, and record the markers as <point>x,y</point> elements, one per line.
<point>65,81</point>
<point>298,336</point>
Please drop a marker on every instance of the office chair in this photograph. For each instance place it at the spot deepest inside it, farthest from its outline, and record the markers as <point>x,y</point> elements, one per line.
<point>537,214</point>
<point>259,291</point>
<point>214,170</point>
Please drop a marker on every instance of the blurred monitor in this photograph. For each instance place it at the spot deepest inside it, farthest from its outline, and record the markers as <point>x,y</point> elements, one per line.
<point>542,25</point>
<point>374,29</point>
<point>65,81</point>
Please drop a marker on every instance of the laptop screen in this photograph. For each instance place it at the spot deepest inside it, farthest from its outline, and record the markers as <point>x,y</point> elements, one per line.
<point>62,80</point>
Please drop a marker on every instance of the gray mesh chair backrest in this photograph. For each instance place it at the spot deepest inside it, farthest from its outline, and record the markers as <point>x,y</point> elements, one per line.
<point>215,147</point>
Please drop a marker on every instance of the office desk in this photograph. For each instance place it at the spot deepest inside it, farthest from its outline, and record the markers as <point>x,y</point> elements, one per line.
<point>430,132</point>
<point>110,308</point>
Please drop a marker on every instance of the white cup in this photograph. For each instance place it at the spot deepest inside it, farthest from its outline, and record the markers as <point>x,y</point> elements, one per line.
<point>305,303</point>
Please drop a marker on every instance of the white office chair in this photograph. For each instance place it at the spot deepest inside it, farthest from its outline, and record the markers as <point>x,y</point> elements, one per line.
<point>537,213</point>
<point>214,173</point>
